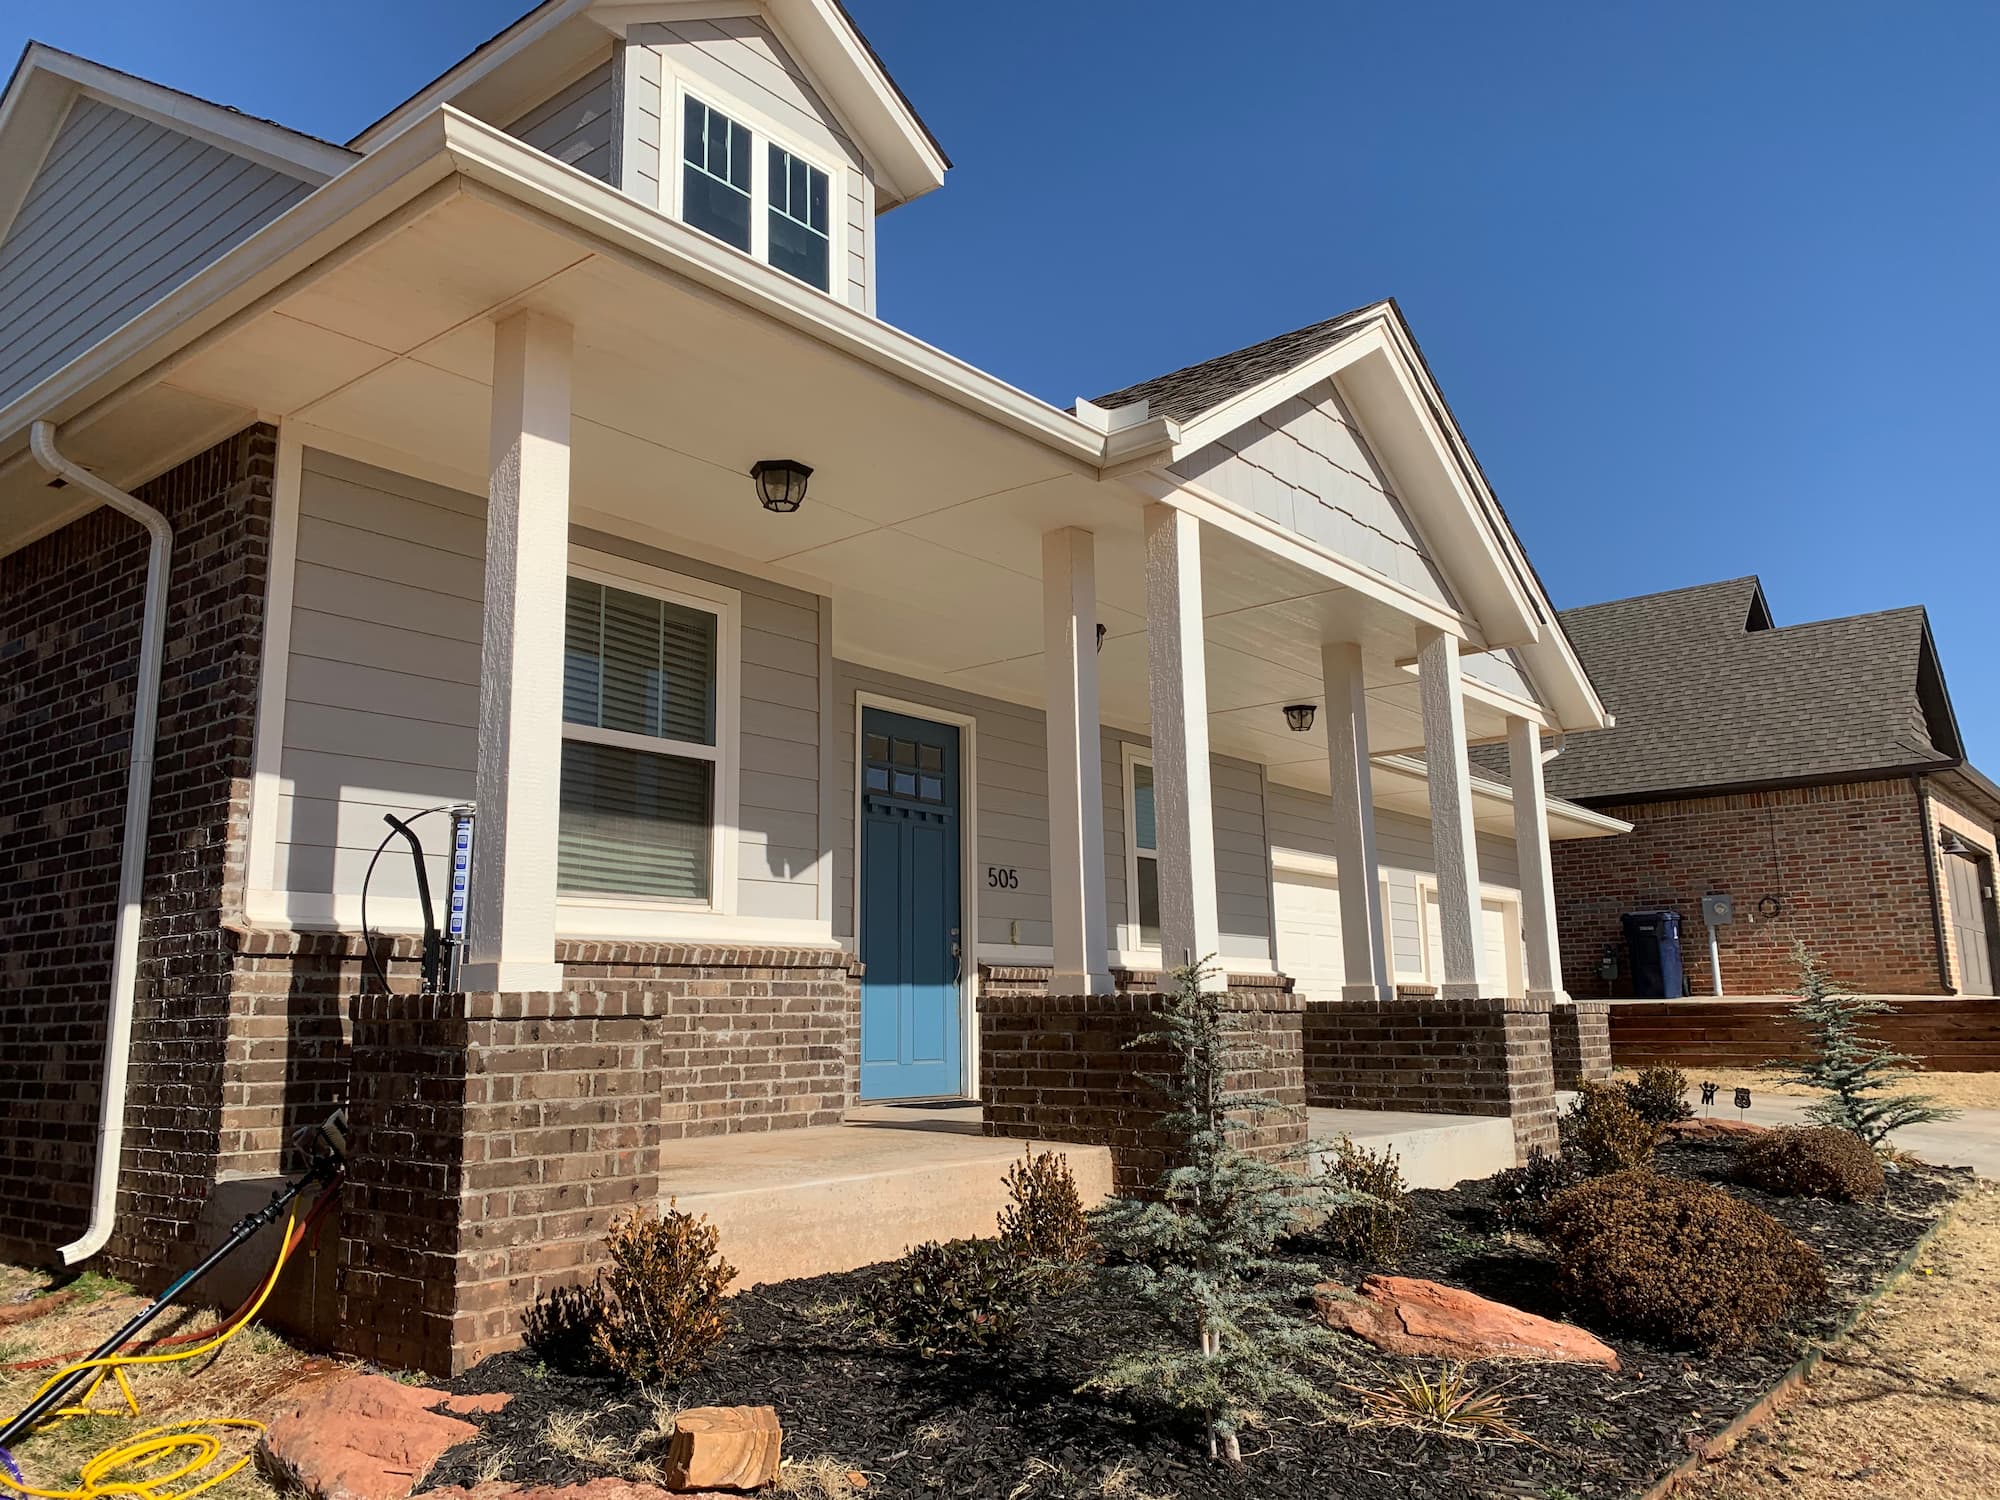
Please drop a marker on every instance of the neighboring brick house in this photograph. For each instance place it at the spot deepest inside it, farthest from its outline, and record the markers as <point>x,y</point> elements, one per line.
<point>1812,772</point>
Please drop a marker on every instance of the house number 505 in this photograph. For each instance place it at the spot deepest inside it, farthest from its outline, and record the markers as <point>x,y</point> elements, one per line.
<point>1002,878</point>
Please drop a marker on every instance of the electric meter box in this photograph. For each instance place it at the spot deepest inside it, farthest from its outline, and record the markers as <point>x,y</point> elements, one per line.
<point>1718,911</point>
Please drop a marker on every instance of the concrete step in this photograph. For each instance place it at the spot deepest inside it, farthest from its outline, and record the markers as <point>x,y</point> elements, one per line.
<point>1433,1151</point>
<point>792,1203</point>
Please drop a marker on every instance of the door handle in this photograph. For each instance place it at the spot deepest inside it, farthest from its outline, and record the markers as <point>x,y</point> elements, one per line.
<point>957,959</point>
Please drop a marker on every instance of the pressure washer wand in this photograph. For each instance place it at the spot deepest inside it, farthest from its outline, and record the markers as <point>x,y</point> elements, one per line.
<point>326,1167</point>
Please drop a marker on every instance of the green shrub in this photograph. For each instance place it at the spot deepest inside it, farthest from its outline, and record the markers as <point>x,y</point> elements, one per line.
<point>1678,1262</point>
<point>1659,1095</point>
<point>1521,1194</point>
<point>661,1296</point>
<point>1043,1222</point>
<point>1602,1134</point>
<point>958,1297</point>
<point>1811,1161</point>
<point>1369,1216</point>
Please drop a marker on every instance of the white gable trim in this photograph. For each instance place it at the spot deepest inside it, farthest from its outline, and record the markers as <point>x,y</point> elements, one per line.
<point>817,33</point>
<point>48,82</point>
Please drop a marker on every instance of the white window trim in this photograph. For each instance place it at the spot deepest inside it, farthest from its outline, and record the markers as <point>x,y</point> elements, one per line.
<point>617,913</point>
<point>763,133</point>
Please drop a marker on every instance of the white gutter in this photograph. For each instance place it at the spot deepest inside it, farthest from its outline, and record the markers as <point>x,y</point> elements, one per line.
<point>132,864</point>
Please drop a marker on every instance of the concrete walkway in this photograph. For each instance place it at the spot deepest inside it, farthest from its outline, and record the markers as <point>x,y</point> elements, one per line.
<point>1972,1140</point>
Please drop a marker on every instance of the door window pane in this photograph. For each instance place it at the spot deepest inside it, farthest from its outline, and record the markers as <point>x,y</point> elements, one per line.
<point>633,823</point>
<point>801,238</point>
<point>715,174</point>
<point>1149,901</point>
<point>1143,832</point>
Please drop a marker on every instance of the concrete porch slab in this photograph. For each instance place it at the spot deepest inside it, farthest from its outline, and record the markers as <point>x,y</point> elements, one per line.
<point>1434,1151</point>
<point>792,1203</point>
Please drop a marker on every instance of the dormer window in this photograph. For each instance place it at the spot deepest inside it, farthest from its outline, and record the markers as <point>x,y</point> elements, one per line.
<point>749,191</point>
<point>801,242</point>
<point>715,174</point>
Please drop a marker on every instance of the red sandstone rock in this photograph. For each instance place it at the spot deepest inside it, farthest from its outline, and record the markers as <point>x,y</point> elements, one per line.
<point>1724,1131</point>
<point>1402,1315</point>
<point>366,1437</point>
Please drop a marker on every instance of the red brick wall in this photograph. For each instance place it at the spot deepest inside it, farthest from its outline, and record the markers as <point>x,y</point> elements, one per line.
<point>1471,1057</point>
<point>1580,1042</point>
<point>1059,1068</point>
<point>70,611</point>
<point>1846,863</point>
<point>1954,1035</point>
<point>495,1137</point>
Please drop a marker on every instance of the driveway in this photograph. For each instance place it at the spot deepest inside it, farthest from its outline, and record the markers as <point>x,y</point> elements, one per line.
<point>1972,1140</point>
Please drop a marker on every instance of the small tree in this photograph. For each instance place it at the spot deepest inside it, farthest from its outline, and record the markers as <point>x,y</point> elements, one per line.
<point>1854,1070</point>
<point>1201,1249</point>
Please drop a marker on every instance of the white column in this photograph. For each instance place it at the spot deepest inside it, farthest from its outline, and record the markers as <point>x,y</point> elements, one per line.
<point>1451,813</point>
<point>1182,811</point>
<point>1531,848</point>
<point>511,918</point>
<point>1364,946</point>
<point>1076,763</point>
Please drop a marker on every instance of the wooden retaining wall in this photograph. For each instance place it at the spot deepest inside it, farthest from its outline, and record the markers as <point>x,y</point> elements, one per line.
<point>1956,1034</point>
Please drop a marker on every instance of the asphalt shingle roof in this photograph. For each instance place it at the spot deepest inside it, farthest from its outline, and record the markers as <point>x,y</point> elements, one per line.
<point>1704,701</point>
<point>1194,389</point>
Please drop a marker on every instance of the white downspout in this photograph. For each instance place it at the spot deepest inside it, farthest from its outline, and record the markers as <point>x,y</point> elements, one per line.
<point>132,865</point>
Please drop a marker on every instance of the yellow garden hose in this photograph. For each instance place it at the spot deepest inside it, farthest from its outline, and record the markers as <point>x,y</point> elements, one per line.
<point>137,1457</point>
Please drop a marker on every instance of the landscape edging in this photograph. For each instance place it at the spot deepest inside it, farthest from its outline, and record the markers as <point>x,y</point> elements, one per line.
<point>1794,1380</point>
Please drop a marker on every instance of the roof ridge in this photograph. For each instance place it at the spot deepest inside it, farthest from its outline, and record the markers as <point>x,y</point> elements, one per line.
<point>1687,588</point>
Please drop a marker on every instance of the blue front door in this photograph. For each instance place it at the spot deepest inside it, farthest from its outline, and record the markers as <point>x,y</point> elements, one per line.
<point>910,948</point>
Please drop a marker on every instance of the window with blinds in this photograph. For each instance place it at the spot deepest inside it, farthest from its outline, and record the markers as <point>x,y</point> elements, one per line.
<point>1146,858</point>
<point>639,746</point>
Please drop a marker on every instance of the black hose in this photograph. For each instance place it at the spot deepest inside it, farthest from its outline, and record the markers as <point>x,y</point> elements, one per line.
<point>397,828</point>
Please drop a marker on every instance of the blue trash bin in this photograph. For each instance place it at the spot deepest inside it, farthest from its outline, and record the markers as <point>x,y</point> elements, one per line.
<point>1653,942</point>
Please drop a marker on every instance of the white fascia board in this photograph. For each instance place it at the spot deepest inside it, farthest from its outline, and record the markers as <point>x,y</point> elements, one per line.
<point>452,152</point>
<point>1596,824</point>
<point>268,144</point>
<point>523,178</point>
<point>504,48</point>
<point>374,196</point>
<point>1282,542</point>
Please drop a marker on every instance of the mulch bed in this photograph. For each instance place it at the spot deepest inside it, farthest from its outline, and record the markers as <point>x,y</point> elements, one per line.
<point>1016,1429</point>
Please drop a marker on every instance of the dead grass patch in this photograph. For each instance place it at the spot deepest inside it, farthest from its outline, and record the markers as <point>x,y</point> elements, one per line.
<point>1907,1407</point>
<point>1959,1090</point>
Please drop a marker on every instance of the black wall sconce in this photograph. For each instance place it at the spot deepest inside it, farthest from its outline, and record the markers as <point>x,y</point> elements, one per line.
<point>1100,636</point>
<point>781,483</point>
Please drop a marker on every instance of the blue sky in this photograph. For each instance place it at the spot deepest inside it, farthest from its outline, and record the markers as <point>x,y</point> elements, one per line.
<point>1712,287</point>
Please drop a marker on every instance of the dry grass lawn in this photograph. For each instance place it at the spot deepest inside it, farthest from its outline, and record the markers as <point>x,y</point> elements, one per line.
<point>1959,1090</point>
<point>1907,1407</point>
<point>241,1379</point>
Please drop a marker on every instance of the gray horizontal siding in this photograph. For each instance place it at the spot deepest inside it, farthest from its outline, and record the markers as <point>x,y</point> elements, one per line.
<point>1403,851</point>
<point>382,688</point>
<point>645,132</point>
<point>1305,465</point>
<point>123,211</point>
<point>1010,778</point>
<point>579,126</point>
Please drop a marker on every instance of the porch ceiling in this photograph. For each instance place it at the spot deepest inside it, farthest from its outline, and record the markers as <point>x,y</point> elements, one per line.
<point>924,521</point>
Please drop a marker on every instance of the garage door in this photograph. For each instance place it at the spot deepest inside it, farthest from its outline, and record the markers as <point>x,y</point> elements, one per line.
<point>1309,933</point>
<point>1499,944</point>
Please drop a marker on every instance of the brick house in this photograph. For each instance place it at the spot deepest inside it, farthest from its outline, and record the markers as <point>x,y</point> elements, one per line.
<point>1814,773</point>
<point>843,725</point>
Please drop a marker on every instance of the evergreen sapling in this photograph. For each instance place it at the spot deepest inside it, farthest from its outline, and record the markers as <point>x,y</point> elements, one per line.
<point>1854,1070</point>
<point>1200,1250</point>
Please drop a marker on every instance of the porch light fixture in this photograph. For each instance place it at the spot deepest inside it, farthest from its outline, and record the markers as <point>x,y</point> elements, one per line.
<point>781,483</point>
<point>1300,716</point>
<point>1951,843</point>
<point>1100,635</point>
